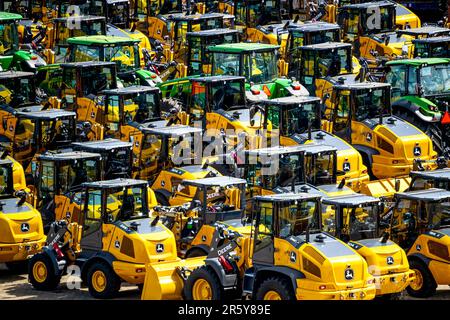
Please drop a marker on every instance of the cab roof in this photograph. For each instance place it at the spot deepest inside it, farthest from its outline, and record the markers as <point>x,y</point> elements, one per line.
<point>220,181</point>
<point>6,16</point>
<point>242,47</point>
<point>361,85</point>
<point>219,78</point>
<point>289,100</point>
<point>6,75</point>
<point>417,62</point>
<point>88,64</point>
<point>115,183</point>
<point>432,39</point>
<point>212,32</point>
<point>130,90</point>
<point>194,17</point>
<point>100,40</point>
<point>82,18</point>
<point>310,148</point>
<point>52,114</point>
<point>369,4</point>
<point>171,131</point>
<point>427,30</point>
<point>351,200</point>
<point>439,174</point>
<point>288,197</point>
<point>326,46</point>
<point>313,26</point>
<point>433,194</point>
<point>102,145</point>
<point>69,156</point>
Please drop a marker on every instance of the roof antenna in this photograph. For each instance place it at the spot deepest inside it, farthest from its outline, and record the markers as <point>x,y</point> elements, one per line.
<point>205,165</point>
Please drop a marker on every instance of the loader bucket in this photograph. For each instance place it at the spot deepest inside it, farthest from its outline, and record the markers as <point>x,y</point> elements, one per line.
<point>385,187</point>
<point>162,279</point>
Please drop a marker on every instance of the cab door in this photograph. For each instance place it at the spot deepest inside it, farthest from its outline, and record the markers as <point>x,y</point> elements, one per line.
<point>92,227</point>
<point>263,252</point>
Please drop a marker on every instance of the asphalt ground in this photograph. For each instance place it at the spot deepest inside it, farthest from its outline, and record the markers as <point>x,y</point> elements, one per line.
<point>14,285</point>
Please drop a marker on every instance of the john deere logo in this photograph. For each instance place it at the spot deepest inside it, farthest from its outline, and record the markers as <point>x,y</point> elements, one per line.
<point>346,166</point>
<point>417,151</point>
<point>293,256</point>
<point>369,137</point>
<point>92,114</point>
<point>159,248</point>
<point>390,260</point>
<point>349,274</point>
<point>25,227</point>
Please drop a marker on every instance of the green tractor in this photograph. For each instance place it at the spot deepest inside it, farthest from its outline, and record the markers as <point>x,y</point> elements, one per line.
<point>258,64</point>
<point>10,55</point>
<point>421,94</point>
<point>121,50</point>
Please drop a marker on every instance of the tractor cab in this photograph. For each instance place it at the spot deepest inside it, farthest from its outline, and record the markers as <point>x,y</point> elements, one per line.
<point>420,224</point>
<point>435,47</point>
<point>420,95</point>
<point>63,30</point>
<point>355,220</point>
<point>361,114</point>
<point>116,12</point>
<point>125,108</point>
<point>298,121</point>
<point>123,51</point>
<point>17,88</point>
<point>300,35</point>
<point>317,66</point>
<point>38,10</point>
<point>157,148</point>
<point>198,60</point>
<point>56,174</point>
<point>117,156</point>
<point>427,32</point>
<point>439,178</point>
<point>30,131</point>
<point>258,63</point>
<point>371,27</point>
<point>211,200</point>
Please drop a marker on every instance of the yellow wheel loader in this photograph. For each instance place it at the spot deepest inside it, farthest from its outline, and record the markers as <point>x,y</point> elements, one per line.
<point>297,120</point>
<point>206,202</point>
<point>438,178</point>
<point>18,89</point>
<point>111,242</point>
<point>361,114</point>
<point>356,221</point>
<point>420,223</point>
<point>21,229</point>
<point>287,257</point>
<point>18,172</point>
<point>29,131</point>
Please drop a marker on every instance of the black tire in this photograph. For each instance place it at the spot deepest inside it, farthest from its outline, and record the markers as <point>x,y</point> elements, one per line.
<point>428,287</point>
<point>50,280</point>
<point>275,284</point>
<point>161,199</point>
<point>207,274</point>
<point>18,266</point>
<point>112,284</point>
<point>195,252</point>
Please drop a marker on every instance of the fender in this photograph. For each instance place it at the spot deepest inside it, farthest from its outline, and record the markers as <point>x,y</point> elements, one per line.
<point>98,256</point>
<point>226,280</point>
<point>258,271</point>
<point>52,255</point>
<point>419,107</point>
<point>164,192</point>
<point>367,150</point>
<point>420,257</point>
<point>203,247</point>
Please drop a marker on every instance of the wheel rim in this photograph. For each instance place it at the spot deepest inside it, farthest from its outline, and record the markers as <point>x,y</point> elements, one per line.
<point>418,282</point>
<point>272,295</point>
<point>40,271</point>
<point>99,281</point>
<point>202,290</point>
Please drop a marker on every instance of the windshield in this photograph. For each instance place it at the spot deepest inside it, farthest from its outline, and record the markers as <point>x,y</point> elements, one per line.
<point>52,134</point>
<point>422,50</point>
<point>297,219</point>
<point>319,168</point>
<point>370,104</point>
<point>300,38</point>
<point>226,64</point>
<point>132,204</point>
<point>8,38</point>
<point>360,223</point>
<point>6,181</point>
<point>97,79</point>
<point>366,21</point>
<point>17,91</point>
<point>87,28</point>
<point>294,118</point>
<point>435,79</point>
<point>333,62</point>
<point>72,174</point>
<point>260,67</point>
<point>438,214</point>
<point>421,184</point>
<point>228,94</point>
<point>126,57</point>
